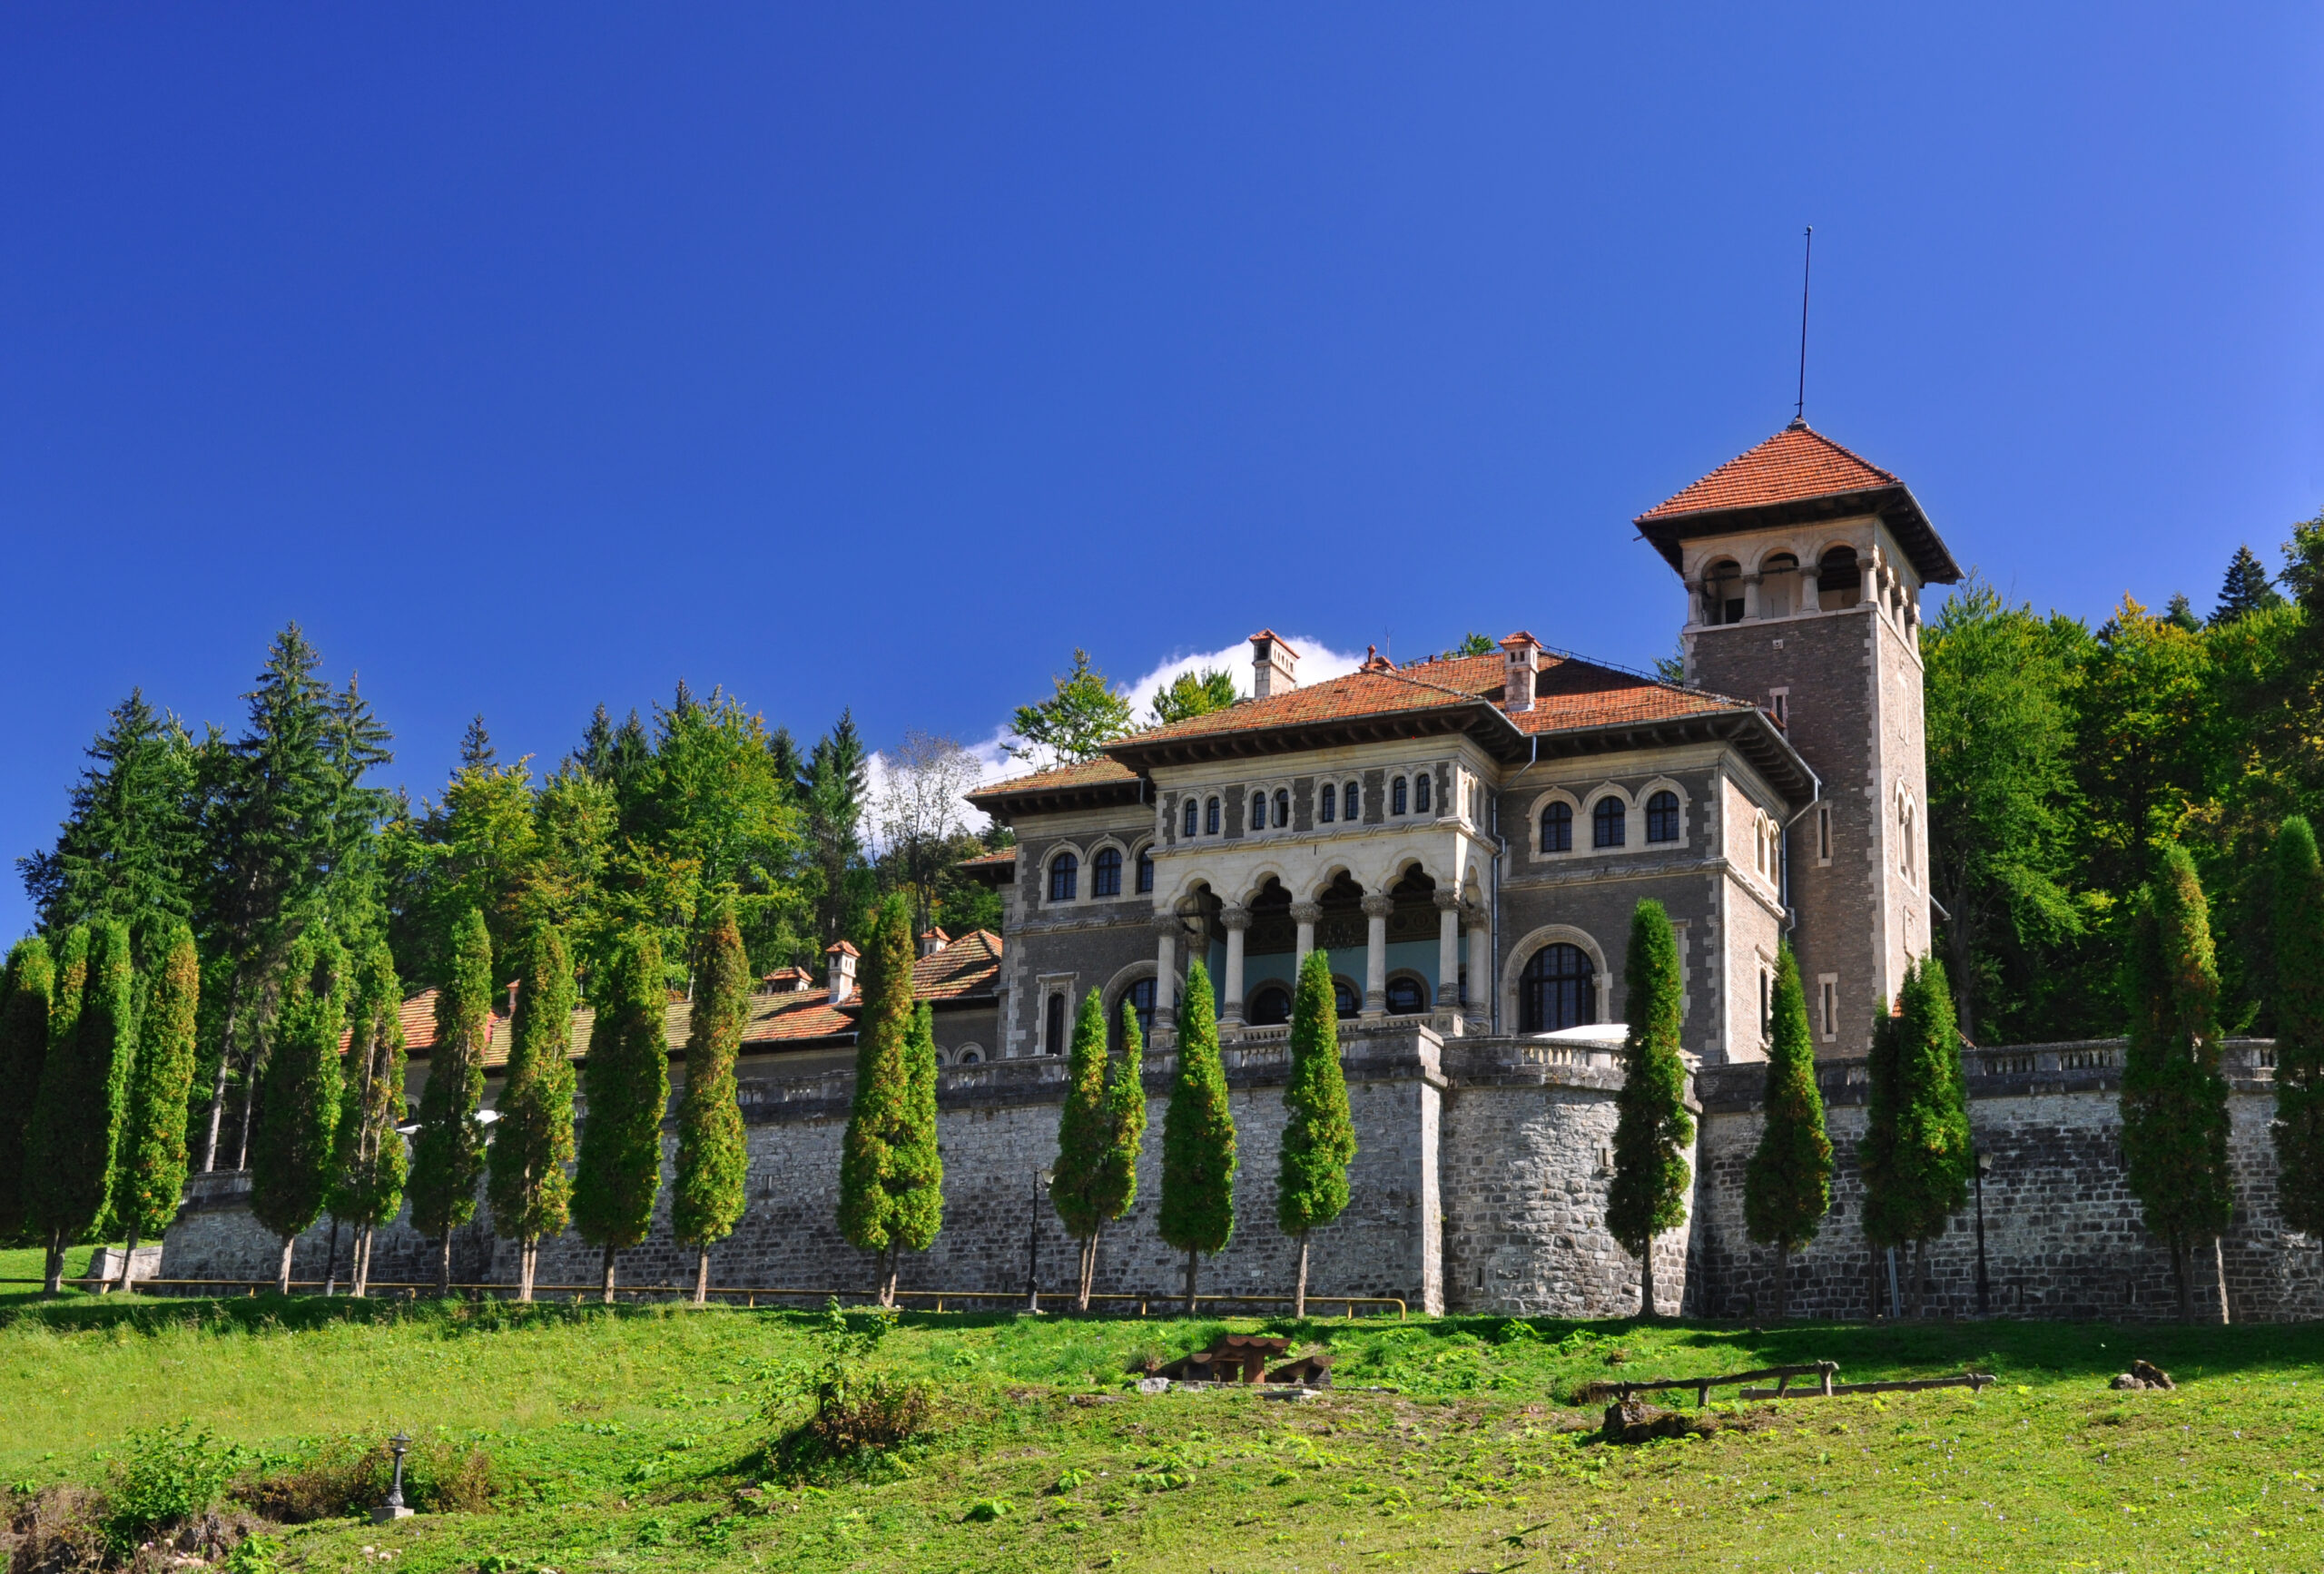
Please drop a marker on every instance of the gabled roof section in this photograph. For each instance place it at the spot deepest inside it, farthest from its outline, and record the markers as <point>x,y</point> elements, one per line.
<point>1798,475</point>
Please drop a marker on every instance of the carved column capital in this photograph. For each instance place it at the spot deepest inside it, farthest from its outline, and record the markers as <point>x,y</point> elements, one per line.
<point>1446,900</point>
<point>1378,904</point>
<point>1306,912</point>
<point>1169,925</point>
<point>1235,917</point>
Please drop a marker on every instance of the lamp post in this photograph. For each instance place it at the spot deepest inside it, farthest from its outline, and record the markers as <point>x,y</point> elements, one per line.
<point>393,1508</point>
<point>1985,1167</point>
<point>1041,1181</point>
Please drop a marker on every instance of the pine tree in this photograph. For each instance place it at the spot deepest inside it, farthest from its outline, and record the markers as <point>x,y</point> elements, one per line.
<point>448,1154</point>
<point>294,1151</point>
<point>1652,1130</point>
<point>1318,1131</point>
<point>25,991</point>
<point>626,1088</point>
<point>75,1128</point>
<point>127,848</point>
<point>835,787</point>
<point>713,1158</point>
<point>1084,1144</point>
<point>2299,1027</point>
<point>1199,1158</point>
<point>531,1183</point>
<point>2175,1098</point>
<point>871,1168</point>
<point>1917,1152</point>
<point>1787,1183</point>
<point>2246,589</point>
<point>150,1178</point>
<point>372,1158</point>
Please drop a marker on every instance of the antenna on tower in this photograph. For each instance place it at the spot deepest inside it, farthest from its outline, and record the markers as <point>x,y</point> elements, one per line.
<point>1807,262</point>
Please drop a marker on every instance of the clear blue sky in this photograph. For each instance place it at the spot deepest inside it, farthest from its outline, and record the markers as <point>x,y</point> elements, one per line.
<point>532,357</point>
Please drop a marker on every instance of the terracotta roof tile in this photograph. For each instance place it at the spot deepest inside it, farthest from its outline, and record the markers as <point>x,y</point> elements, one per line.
<point>1100,772</point>
<point>988,859</point>
<point>1797,463</point>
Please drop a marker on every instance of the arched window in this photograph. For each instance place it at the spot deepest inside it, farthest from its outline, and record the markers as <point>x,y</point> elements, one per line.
<point>1105,873</point>
<point>1839,580</point>
<point>1210,818</point>
<point>1723,592</point>
<point>1270,1007</point>
<point>968,1056</point>
<point>1258,811</point>
<point>1065,874</point>
<point>1326,804</point>
<point>1420,795</point>
<point>1606,825</point>
<point>1193,810</point>
<point>1282,808</point>
<point>1662,817</point>
<point>1053,1023</point>
<point>1396,797</point>
<point>1140,996</point>
<point>1351,804</point>
<point>1779,579</point>
<point>1558,989</point>
<point>1145,872</point>
<point>1346,1001</point>
<point>1405,996</point>
<point>1557,828</point>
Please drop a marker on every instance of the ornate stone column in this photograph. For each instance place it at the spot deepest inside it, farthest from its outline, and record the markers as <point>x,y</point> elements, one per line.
<point>1304,914</point>
<point>1237,919</point>
<point>1481,995</point>
<point>1166,965</point>
<point>1377,906</point>
<point>1448,949</point>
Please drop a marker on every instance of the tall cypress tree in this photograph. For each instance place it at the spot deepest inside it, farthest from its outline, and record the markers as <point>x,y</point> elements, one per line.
<point>1084,1144</point>
<point>84,1091</point>
<point>713,1158</point>
<point>1916,1154</point>
<point>531,1185</point>
<point>372,1159</point>
<point>919,1182</point>
<point>2299,1027</point>
<point>151,1174</point>
<point>25,991</point>
<point>1124,1126</point>
<point>1318,1131</point>
<point>871,1168</point>
<point>626,1087</point>
<point>1787,1183</point>
<point>1199,1158</point>
<point>2174,1098</point>
<point>1652,1130</point>
<point>294,1150</point>
<point>447,1155</point>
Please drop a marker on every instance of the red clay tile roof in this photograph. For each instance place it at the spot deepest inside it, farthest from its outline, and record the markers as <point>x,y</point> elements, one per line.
<point>989,860</point>
<point>1099,771</point>
<point>1795,464</point>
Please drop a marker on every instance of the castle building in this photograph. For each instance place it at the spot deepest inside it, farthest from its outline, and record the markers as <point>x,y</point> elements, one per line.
<point>1467,837</point>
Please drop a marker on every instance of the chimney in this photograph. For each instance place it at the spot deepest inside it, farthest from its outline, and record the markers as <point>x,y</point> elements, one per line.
<point>1273,663</point>
<point>842,971</point>
<point>1524,653</point>
<point>933,942</point>
<point>512,997</point>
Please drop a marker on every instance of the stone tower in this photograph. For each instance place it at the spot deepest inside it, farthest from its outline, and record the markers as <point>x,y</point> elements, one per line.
<point>1804,565</point>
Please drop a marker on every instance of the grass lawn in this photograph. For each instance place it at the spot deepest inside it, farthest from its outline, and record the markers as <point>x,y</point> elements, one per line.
<point>630,1436</point>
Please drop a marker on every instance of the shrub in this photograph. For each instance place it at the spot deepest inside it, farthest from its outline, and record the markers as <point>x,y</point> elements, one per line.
<point>858,1415</point>
<point>168,1477</point>
<point>351,1475</point>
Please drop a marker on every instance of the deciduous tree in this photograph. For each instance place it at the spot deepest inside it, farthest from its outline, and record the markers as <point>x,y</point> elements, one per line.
<point>1080,718</point>
<point>1787,1183</point>
<point>626,1082</point>
<point>294,1150</point>
<point>150,1176</point>
<point>531,1185</point>
<point>1318,1131</point>
<point>448,1153</point>
<point>1198,1157</point>
<point>1652,1130</point>
<point>1195,693</point>
<point>713,1159</point>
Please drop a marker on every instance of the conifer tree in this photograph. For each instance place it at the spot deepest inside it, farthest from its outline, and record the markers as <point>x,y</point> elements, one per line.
<point>1084,1144</point>
<point>2175,1098</point>
<point>76,1121</point>
<point>25,991</point>
<point>1787,1183</point>
<point>873,1172</point>
<point>1199,1158</point>
<point>372,1158</point>
<point>126,850</point>
<point>919,1167</point>
<point>1318,1131</point>
<point>448,1153</point>
<point>1652,1130</point>
<point>531,1183</point>
<point>1916,1154</point>
<point>2246,589</point>
<point>150,1178</point>
<point>626,1084</point>
<point>1125,1127</point>
<point>294,1150</point>
<point>2299,1027</point>
<point>713,1159</point>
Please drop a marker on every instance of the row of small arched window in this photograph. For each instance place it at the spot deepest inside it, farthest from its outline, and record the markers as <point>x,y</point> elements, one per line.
<point>1406,795</point>
<point>1610,823</point>
<point>1105,874</point>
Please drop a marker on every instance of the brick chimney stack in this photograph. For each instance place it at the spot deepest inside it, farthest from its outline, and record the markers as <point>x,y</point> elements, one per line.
<point>842,972</point>
<point>1523,653</point>
<point>933,942</point>
<point>1273,664</point>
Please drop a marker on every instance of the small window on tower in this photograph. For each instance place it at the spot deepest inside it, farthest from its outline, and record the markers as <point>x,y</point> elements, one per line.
<point>1326,809</point>
<point>1723,592</point>
<point>1258,811</point>
<point>1827,993</point>
<point>1396,798</point>
<point>1823,833</point>
<point>1779,707</point>
<point>1351,804</point>
<point>1145,870</point>
<point>1420,795</point>
<point>1282,808</point>
<point>1193,811</point>
<point>1210,818</point>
